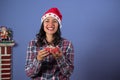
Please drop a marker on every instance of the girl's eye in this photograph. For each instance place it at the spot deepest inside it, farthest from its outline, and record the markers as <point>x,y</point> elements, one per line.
<point>46,21</point>
<point>55,21</point>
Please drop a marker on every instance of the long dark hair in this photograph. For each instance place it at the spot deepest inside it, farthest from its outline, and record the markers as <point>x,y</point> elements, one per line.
<point>41,36</point>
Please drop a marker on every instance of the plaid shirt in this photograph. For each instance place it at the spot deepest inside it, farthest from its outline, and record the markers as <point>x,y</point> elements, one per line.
<point>50,68</point>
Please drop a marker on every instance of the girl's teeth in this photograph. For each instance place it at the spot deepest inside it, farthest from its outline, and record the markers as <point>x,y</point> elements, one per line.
<point>50,28</point>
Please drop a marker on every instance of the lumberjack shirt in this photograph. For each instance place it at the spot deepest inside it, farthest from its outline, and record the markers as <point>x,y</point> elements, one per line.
<point>50,68</point>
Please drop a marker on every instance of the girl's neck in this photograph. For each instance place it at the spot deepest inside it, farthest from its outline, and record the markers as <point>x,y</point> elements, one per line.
<point>49,38</point>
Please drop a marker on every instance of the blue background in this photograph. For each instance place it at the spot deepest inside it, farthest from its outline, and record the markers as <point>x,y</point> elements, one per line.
<point>92,25</point>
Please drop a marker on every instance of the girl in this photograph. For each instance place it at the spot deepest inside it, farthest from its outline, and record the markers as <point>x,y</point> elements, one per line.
<point>49,56</point>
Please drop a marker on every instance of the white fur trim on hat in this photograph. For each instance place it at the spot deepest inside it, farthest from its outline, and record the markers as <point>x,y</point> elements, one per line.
<point>51,15</point>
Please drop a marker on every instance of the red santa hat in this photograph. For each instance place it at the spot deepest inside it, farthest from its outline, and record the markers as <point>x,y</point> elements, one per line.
<point>53,12</point>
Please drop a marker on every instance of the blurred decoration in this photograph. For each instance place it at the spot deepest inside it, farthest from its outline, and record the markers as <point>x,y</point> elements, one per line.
<point>6,45</point>
<point>6,35</point>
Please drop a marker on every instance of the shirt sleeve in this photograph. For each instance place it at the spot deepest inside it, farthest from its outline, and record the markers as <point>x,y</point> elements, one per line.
<point>66,62</point>
<point>32,65</point>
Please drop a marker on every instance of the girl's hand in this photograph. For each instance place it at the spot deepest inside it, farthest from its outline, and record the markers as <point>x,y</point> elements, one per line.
<point>41,54</point>
<point>56,52</point>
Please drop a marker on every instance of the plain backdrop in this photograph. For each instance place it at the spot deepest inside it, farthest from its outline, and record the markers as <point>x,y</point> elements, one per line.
<point>93,26</point>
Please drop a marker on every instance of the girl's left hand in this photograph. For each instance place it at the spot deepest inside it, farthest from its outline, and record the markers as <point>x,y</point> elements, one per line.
<point>56,52</point>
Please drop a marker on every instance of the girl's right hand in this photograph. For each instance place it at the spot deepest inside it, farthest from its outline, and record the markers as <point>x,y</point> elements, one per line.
<point>41,54</point>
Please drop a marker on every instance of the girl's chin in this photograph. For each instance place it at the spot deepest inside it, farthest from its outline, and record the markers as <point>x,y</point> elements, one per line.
<point>51,33</point>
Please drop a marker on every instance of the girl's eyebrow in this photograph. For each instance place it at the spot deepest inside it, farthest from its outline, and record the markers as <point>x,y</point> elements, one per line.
<point>49,19</point>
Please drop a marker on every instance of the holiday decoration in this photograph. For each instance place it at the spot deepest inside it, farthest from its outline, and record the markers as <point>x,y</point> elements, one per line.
<point>48,49</point>
<point>55,50</point>
<point>52,49</point>
<point>6,35</point>
<point>6,45</point>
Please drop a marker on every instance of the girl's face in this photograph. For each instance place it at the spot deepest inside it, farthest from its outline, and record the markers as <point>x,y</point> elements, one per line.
<point>50,25</point>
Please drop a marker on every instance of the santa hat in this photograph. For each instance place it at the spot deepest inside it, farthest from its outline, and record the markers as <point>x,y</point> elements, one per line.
<point>53,12</point>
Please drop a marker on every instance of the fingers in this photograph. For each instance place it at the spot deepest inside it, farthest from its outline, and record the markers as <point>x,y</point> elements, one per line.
<point>42,54</point>
<point>57,54</point>
<point>55,51</point>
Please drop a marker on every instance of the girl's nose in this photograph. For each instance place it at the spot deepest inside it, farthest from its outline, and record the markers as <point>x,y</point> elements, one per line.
<point>51,24</point>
